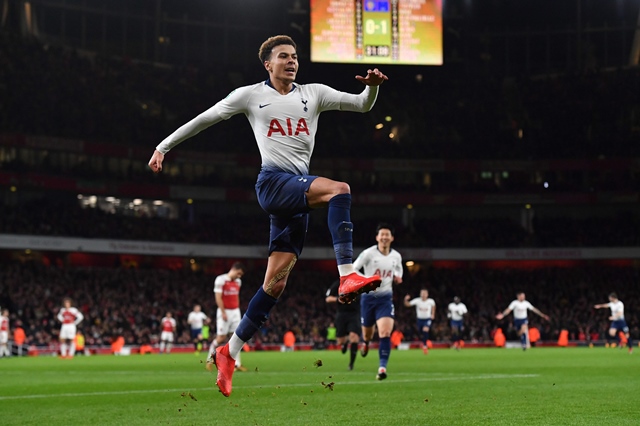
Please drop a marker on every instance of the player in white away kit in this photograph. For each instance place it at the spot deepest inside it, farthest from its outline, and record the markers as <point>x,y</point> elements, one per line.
<point>618,323</point>
<point>69,317</point>
<point>168,326</point>
<point>456,313</point>
<point>425,313</point>
<point>196,320</point>
<point>376,308</point>
<point>520,306</point>
<point>284,117</point>
<point>227,293</point>
<point>4,333</point>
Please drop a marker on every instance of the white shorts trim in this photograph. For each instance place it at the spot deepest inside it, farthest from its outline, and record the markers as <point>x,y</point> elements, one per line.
<point>4,337</point>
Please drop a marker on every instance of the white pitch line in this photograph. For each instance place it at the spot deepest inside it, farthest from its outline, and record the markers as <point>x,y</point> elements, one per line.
<point>269,386</point>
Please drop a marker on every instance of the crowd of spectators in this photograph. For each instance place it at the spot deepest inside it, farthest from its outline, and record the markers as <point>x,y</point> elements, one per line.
<point>448,115</point>
<point>130,302</point>
<point>49,217</point>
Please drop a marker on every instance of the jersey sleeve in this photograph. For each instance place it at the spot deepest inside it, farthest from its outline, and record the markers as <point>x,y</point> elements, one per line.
<point>79,317</point>
<point>463,309</point>
<point>398,271</point>
<point>512,305</point>
<point>218,284</point>
<point>529,306</point>
<point>361,260</point>
<point>414,302</point>
<point>332,99</point>
<point>60,317</point>
<point>333,290</point>
<point>233,104</point>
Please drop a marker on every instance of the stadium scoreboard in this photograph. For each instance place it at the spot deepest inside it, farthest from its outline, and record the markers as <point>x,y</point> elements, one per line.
<point>403,32</point>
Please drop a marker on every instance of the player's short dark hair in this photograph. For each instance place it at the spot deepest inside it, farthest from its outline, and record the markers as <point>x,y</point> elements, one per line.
<point>519,293</point>
<point>238,265</point>
<point>384,225</point>
<point>613,295</point>
<point>265,50</point>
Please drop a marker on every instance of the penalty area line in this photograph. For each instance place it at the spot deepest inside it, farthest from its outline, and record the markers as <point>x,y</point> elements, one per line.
<point>269,386</point>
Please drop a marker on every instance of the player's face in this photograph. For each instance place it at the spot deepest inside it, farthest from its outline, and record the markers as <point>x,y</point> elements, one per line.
<point>384,238</point>
<point>521,297</point>
<point>424,294</point>
<point>283,64</point>
<point>236,273</point>
<point>67,304</point>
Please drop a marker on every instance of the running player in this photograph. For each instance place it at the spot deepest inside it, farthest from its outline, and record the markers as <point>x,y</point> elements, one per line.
<point>227,293</point>
<point>456,313</point>
<point>196,320</point>
<point>4,333</point>
<point>377,308</point>
<point>284,118</point>
<point>70,317</point>
<point>618,323</point>
<point>425,313</point>
<point>520,306</point>
<point>347,323</point>
<point>168,324</point>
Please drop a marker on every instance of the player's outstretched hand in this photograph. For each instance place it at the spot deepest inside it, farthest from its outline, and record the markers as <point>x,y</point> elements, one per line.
<point>407,297</point>
<point>373,78</point>
<point>156,161</point>
<point>546,317</point>
<point>499,316</point>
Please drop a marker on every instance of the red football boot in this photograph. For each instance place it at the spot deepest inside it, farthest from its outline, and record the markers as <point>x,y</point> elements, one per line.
<point>354,284</point>
<point>226,366</point>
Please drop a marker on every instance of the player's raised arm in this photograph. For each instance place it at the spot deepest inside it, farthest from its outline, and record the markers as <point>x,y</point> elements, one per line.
<point>539,313</point>
<point>503,313</point>
<point>407,301</point>
<point>373,78</point>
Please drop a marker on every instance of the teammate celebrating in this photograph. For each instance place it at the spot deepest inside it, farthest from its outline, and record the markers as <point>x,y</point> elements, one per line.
<point>168,324</point>
<point>618,323</point>
<point>425,313</point>
<point>4,333</point>
<point>520,306</point>
<point>284,118</point>
<point>456,313</point>
<point>377,307</point>
<point>196,320</point>
<point>347,323</point>
<point>227,293</point>
<point>70,317</point>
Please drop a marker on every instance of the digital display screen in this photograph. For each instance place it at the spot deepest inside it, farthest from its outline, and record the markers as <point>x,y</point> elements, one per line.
<point>403,32</point>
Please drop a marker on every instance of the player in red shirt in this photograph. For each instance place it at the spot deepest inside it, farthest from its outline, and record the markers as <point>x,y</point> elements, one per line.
<point>227,292</point>
<point>4,333</point>
<point>168,325</point>
<point>70,317</point>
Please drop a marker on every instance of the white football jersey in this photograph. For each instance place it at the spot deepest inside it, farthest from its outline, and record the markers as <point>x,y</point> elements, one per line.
<point>196,319</point>
<point>284,125</point>
<point>617,309</point>
<point>424,308</point>
<point>457,310</point>
<point>376,263</point>
<point>520,308</point>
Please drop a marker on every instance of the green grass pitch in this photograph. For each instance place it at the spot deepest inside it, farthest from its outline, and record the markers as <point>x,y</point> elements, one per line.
<point>542,386</point>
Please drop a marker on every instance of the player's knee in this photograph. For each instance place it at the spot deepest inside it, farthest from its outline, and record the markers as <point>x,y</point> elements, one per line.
<point>339,188</point>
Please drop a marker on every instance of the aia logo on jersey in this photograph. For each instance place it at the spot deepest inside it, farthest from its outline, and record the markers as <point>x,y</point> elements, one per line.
<point>286,128</point>
<point>383,273</point>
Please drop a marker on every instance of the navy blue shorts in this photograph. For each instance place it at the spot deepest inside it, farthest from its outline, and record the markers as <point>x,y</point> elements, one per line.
<point>518,323</point>
<point>195,332</point>
<point>457,324</point>
<point>426,322</point>
<point>620,325</point>
<point>282,195</point>
<point>373,308</point>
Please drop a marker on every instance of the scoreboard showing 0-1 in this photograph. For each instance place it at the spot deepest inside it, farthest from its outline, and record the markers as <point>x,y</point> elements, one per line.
<point>406,32</point>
